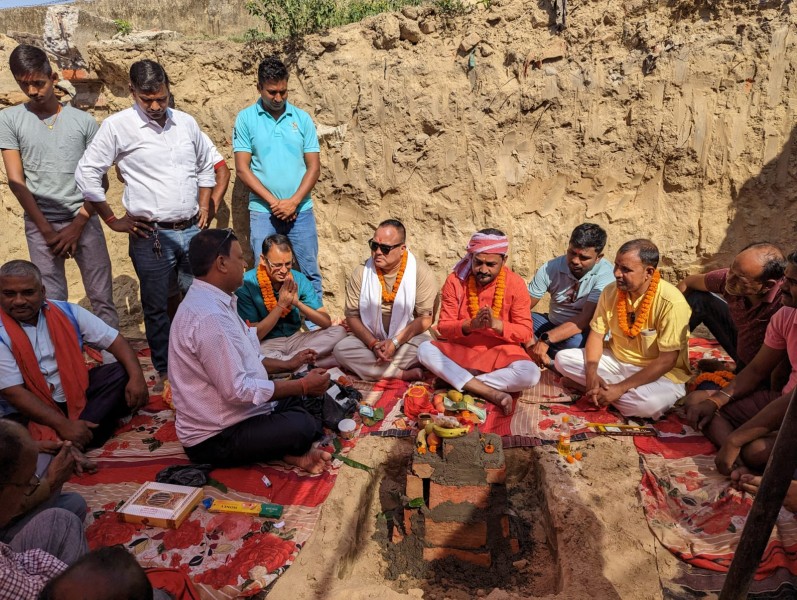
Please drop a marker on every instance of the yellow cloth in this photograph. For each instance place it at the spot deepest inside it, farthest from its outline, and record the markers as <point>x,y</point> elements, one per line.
<point>666,330</point>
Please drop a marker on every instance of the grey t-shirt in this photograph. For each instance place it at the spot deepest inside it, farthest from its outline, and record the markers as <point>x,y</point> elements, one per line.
<point>49,156</point>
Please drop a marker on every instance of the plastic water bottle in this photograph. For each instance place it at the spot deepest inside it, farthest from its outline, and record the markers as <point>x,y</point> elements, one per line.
<point>563,446</point>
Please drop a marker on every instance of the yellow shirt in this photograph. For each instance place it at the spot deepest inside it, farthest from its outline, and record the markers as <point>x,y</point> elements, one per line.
<point>666,330</point>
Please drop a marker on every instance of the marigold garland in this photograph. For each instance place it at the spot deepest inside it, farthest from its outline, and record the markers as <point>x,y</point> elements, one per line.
<point>644,308</point>
<point>498,297</point>
<point>264,281</point>
<point>721,378</point>
<point>389,296</point>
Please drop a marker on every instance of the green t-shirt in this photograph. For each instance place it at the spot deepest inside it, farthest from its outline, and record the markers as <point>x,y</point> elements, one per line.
<point>49,156</point>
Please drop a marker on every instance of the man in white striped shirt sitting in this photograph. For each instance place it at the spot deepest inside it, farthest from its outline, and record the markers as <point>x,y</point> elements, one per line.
<point>228,411</point>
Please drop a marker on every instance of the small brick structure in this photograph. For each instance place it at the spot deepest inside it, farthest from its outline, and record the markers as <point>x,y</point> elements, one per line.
<point>463,515</point>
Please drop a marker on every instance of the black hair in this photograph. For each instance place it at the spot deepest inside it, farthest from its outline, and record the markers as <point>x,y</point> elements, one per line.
<point>206,246</point>
<point>589,235</point>
<point>491,231</point>
<point>282,242</point>
<point>148,76</point>
<point>120,576</point>
<point>774,264</point>
<point>397,225</point>
<point>26,59</point>
<point>271,69</point>
<point>648,251</point>
<point>11,436</point>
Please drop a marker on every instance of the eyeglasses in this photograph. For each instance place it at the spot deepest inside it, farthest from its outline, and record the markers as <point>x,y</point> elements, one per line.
<point>572,293</point>
<point>230,234</point>
<point>383,247</point>
<point>32,485</point>
<point>279,266</point>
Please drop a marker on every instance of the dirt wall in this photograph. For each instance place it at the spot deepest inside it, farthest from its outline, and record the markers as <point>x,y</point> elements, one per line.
<point>668,122</point>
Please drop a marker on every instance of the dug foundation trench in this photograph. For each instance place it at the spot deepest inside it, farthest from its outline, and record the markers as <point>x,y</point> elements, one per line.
<point>579,533</point>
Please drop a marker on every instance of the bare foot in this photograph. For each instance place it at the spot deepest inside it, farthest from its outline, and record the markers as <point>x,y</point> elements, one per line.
<point>412,374</point>
<point>750,483</point>
<point>737,474</point>
<point>502,400</point>
<point>315,461</point>
<point>573,385</point>
<point>83,464</point>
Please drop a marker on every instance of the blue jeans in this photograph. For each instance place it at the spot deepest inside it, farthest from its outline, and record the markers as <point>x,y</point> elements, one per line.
<point>542,324</point>
<point>302,234</point>
<point>157,276</point>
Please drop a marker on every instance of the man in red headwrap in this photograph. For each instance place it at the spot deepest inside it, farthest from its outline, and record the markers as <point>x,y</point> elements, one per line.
<point>484,321</point>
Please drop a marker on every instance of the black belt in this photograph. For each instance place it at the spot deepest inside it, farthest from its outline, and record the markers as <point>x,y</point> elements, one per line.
<point>176,225</point>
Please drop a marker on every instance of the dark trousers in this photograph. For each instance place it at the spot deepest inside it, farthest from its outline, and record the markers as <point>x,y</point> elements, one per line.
<point>290,430</point>
<point>105,402</point>
<point>712,311</point>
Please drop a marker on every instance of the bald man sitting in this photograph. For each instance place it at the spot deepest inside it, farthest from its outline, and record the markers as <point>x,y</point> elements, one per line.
<point>736,304</point>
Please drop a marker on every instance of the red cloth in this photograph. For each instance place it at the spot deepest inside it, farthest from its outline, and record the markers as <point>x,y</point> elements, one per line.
<point>173,581</point>
<point>68,356</point>
<point>485,350</point>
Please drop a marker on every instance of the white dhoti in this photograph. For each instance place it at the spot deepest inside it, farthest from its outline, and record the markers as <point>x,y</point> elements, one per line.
<point>355,356</point>
<point>515,377</point>
<point>320,340</point>
<point>651,400</point>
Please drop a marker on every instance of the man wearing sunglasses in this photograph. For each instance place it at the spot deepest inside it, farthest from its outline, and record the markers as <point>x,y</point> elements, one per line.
<point>275,298</point>
<point>484,322</point>
<point>575,281</point>
<point>49,541</point>
<point>390,304</point>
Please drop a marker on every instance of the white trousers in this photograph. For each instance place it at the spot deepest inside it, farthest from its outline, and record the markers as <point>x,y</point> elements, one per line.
<point>320,340</point>
<point>650,400</point>
<point>355,356</point>
<point>518,376</point>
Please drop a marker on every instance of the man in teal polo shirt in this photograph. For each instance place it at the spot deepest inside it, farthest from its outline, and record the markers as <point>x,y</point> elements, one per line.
<point>275,298</point>
<point>575,282</point>
<point>277,157</point>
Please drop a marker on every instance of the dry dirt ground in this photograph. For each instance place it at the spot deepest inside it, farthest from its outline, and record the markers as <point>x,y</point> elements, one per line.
<point>587,535</point>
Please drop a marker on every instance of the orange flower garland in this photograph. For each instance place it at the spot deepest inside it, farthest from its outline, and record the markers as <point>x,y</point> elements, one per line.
<point>721,378</point>
<point>389,296</point>
<point>498,297</point>
<point>644,308</point>
<point>264,281</point>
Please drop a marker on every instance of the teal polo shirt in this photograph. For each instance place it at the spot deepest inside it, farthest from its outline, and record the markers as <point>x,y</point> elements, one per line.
<point>252,307</point>
<point>277,148</point>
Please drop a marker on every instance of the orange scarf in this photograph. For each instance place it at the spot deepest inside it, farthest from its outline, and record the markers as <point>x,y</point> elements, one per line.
<point>68,357</point>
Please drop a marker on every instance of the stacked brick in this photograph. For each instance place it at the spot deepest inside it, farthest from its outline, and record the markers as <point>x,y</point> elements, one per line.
<point>464,500</point>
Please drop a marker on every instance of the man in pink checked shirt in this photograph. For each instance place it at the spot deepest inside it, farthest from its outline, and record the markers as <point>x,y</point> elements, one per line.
<point>228,411</point>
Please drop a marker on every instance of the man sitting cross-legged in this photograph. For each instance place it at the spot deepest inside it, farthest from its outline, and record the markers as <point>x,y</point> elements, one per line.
<point>736,304</point>
<point>717,413</point>
<point>484,320</point>
<point>575,282</point>
<point>390,303</point>
<point>43,376</point>
<point>643,367</point>
<point>228,412</point>
<point>276,298</point>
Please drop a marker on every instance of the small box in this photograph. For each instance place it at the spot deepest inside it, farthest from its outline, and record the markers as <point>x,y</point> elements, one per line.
<point>161,504</point>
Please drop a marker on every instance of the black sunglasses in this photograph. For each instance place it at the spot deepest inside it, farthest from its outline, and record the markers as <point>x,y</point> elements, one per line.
<point>230,234</point>
<point>383,247</point>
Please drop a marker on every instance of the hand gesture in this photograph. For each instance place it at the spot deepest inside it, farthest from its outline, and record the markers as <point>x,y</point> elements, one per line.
<point>136,393</point>
<point>128,224</point>
<point>700,414</point>
<point>305,357</point>
<point>285,210</point>
<point>606,393</point>
<point>78,432</point>
<point>317,381</point>
<point>539,354</point>
<point>62,467</point>
<point>64,242</point>
<point>203,217</point>
<point>483,319</point>
<point>288,293</point>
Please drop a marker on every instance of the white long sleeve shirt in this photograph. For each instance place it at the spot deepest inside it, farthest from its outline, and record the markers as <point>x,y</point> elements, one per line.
<point>215,366</point>
<point>163,167</point>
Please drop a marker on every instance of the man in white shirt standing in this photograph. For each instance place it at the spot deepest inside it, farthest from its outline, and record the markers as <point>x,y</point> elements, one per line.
<point>167,167</point>
<point>228,411</point>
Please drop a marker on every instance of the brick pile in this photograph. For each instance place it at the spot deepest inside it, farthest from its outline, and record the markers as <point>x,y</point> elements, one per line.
<point>464,501</point>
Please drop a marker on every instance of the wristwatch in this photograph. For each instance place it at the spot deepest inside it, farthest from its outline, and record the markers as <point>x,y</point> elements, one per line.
<point>395,342</point>
<point>544,338</point>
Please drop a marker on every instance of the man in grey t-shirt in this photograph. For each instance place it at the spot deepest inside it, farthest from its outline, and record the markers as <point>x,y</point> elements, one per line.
<point>42,142</point>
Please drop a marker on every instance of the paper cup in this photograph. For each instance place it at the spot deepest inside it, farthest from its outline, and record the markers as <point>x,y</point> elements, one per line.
<point>346,428</point>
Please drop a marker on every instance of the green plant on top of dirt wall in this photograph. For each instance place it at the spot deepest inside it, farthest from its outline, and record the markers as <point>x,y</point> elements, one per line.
<point>123,26</point>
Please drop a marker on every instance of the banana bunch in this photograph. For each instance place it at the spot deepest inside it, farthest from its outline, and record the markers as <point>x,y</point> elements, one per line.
<point>449,432</point>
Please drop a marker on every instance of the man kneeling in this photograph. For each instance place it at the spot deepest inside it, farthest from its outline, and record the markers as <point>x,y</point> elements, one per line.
<point>228,411</point>
<point>485,318</point>
<point>643,367</point>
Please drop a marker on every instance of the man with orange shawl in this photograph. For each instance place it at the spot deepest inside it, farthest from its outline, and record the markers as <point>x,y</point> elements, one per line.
<point>643,366</point>
<point>43,376</point>
<point>484,321</point>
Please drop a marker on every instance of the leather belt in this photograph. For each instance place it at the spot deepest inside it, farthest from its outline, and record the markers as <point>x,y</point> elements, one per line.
<point>175,225</point>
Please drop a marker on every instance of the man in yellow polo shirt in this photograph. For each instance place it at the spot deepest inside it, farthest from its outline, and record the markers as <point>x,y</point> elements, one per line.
<point>642,368</point>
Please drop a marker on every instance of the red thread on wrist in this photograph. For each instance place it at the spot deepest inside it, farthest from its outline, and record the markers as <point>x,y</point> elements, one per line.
<point>303,383</point>
<point>373,344</point>
<point>111,219</point>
